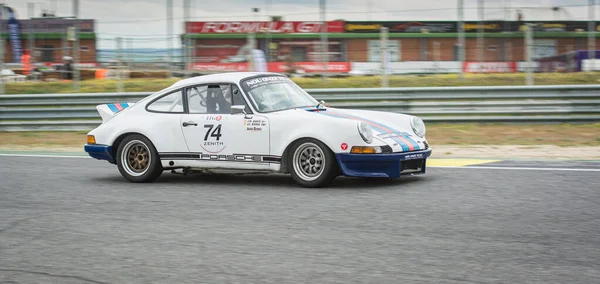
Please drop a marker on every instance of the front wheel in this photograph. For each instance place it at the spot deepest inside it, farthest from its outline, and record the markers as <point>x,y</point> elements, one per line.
<point>312,163</point>
<point>137,159</point>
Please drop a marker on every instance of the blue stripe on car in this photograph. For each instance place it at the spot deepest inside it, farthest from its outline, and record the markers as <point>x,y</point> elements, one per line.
<point>113,108</point>
<point>377,126</point>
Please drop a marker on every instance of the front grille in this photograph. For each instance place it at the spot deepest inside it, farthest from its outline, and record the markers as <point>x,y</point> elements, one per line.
<point>412,166</point>
<point>426,145</point>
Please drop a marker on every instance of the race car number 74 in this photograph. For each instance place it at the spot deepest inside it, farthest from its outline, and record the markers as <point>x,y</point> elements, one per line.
<point>216,132</point>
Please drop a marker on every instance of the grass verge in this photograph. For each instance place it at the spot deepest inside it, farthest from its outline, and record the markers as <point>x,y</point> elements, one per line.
<point>560,134</point>
<point>437,134</point>
<point>448,80</point>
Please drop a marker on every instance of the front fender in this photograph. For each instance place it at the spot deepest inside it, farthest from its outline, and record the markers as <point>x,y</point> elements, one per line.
<point>331,133</point>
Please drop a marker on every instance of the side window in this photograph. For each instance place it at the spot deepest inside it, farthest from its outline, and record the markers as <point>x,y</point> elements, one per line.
<point>196,97</point>
<point>238,99</point>
<point>171,103</point>
<point>214,98</point>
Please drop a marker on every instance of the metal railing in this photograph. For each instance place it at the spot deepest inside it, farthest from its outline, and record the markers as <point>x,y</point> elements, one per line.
<point>560,103</point>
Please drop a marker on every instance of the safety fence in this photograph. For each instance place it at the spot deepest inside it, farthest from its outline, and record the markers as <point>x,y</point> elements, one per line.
<point>499,104</point>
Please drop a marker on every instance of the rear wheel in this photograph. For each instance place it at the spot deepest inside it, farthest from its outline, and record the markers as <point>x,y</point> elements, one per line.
<point>137,159</point>
<point>312,163</point>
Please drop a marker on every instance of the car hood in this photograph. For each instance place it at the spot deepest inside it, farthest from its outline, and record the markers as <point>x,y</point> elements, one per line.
<point>393,129</point>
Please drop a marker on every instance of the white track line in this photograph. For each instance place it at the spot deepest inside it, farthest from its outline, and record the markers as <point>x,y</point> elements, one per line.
<point>43,156</point>
<point>446,167</point>
<point>518,168</point>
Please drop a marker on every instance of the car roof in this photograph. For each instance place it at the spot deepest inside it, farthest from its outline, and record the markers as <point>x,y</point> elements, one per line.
<point>228,77</point>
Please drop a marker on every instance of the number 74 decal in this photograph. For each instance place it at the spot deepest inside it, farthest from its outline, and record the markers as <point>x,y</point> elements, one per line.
<point>213,131</point>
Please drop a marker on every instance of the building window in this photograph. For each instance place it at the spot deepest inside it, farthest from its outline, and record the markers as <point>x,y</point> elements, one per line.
<point>309,51</point>
<point>543,48</point>
<point>374,50</point>
<point>47,53</point>
<point>84,48</point>
<point>299,53</point>
<point>580,42</point>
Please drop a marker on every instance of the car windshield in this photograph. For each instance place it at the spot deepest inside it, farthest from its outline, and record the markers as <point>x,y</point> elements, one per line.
<point>275,93</point>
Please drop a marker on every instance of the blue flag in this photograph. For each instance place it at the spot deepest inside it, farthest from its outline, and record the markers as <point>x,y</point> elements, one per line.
<point>15,35</point>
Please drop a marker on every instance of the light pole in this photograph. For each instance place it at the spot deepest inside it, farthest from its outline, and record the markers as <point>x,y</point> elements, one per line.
<point>30,14</point>
<point>324,49</point>
<point>592,35</point>
<point>186,40</point>
<point>268,33</point>
<point>76,46</point>
<point>1,51</point>
<point>170,32</point>
<point>461,38</point>
<point>480,39</point>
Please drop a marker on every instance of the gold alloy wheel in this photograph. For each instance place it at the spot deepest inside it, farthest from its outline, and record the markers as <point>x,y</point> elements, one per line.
<point>136,158</point>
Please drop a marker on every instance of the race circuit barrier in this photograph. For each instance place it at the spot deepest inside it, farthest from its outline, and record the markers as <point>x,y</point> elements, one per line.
<point>515,104</point>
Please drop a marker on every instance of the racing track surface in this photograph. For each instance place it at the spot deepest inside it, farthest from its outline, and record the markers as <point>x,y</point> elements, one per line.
<point>69,220</point>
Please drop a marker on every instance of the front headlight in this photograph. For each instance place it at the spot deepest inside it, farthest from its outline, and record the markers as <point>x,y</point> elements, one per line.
<point>418,126</point>
<point>366,132</point>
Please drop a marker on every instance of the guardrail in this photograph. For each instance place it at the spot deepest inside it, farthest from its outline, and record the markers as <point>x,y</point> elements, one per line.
<point>557,103</point>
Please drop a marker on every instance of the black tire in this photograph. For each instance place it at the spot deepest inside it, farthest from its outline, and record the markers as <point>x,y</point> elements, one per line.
<point>318,158</point>
<point>137,159</point>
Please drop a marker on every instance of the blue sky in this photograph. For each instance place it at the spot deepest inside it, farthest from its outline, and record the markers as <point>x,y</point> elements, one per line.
<point>145,20</point>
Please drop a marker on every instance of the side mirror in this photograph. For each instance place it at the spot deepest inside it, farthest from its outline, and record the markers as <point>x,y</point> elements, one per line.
<point>235,109</point>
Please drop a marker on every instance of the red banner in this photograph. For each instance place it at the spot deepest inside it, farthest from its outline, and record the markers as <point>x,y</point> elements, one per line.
<point>490,67</point>
<point>308,67</point>
<point>257,27</point>
<point>81,64</point>
<point>240,67</point>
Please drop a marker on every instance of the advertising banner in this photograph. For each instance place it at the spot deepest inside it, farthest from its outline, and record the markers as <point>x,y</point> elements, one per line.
<point>400,27</point>
<point>552,26</point>
<point>566,62</point>
<point>221,67</point>
<point>79,65</point>
<point>469,26</point>
<point>375,26</point>
<point>52,25</point>
<point>486,27</point>
<point>257,27</point>
<point>422,27</point>
<point>308,67</point>
<point>490,67</point>
<point>311,67</point>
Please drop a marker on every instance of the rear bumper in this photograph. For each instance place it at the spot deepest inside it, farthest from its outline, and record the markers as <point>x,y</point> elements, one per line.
<point>100,152</point>
<point>383,165</point>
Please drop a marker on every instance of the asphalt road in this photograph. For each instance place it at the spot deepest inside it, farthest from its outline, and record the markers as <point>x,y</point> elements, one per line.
<point>77,221</point>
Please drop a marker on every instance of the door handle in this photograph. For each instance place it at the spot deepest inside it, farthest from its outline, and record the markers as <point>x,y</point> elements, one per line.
<point>189,123</point>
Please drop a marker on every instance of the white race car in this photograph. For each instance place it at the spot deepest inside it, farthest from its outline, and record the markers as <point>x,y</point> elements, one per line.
<point>254,121</point>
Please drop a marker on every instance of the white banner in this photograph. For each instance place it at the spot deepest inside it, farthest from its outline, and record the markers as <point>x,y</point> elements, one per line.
<point>415,67</point>
<point>406,67</point>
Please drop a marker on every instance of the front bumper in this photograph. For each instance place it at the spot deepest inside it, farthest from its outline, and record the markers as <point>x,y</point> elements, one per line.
<point>383,165</point>
<point>100,152</point>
